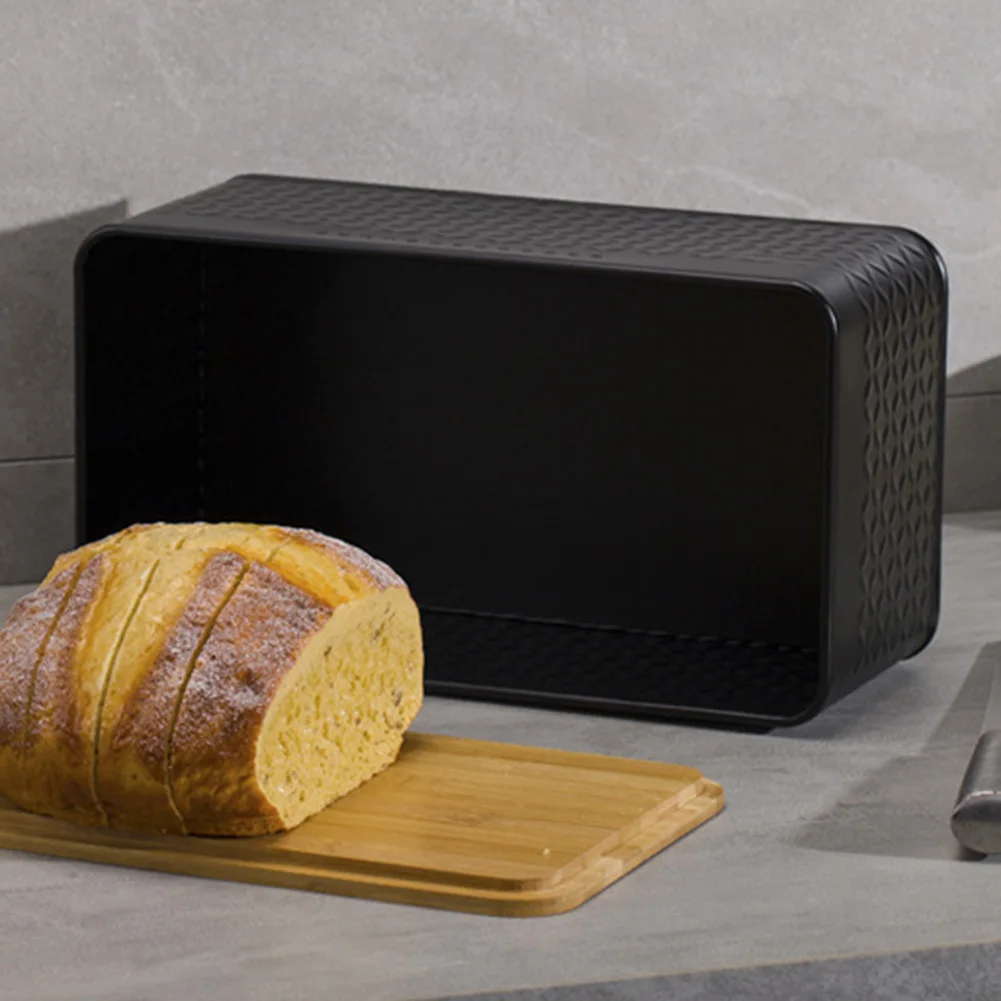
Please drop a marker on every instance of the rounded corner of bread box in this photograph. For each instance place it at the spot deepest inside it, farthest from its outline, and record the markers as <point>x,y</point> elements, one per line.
<point>92,242</point>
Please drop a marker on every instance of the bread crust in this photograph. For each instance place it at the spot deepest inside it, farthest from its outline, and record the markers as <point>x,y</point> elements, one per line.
<point>256,640</point>
<point>59,731</point>
<point>193,575</point>
<point>165,740</point>
<point>359,568</point>
<point>23,640</point>
<point>145,724</point>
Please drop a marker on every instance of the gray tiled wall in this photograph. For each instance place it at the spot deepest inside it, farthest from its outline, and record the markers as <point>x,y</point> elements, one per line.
<point>882,110</point>
<point>36,389</point>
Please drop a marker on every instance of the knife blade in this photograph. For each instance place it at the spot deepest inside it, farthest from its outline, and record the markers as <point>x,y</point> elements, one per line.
<point>976,817</point>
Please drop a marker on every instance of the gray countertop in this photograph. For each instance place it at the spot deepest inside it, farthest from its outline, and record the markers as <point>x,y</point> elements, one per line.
<point>835,843</point>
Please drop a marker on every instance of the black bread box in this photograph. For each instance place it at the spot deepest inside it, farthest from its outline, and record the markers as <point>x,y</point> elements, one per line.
<point>658,463</point>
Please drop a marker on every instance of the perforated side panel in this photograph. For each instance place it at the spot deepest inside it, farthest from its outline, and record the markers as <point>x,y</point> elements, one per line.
<point>606,664</point>
<point>903,295</point>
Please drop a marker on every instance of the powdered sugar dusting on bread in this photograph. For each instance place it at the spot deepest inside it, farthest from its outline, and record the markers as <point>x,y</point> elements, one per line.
<point>148,712</point>
<point>29,623</point>
<point>59,733</point>
<point>54,712</point>
<point>210,670</point>
<point>351,559</point>
<point>256,640</point>
<point>146,723</point>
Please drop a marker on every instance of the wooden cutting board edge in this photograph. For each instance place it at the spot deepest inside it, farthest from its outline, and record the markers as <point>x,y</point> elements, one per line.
<point>549,901</point>
<point>645,838</point>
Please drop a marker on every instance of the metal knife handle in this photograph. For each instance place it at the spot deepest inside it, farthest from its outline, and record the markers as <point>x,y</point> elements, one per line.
<point>976,817</point>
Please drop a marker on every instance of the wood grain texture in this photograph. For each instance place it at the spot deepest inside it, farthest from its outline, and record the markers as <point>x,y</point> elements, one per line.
<point>457,824</point>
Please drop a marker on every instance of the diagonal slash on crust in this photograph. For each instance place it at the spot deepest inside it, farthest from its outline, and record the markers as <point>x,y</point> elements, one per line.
<point>189,670</point>
<point>147,583</point>
<point>109,674</point>
<point>77,573</point>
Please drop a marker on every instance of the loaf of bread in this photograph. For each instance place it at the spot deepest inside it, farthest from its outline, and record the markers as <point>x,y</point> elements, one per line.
<point>212,679</point>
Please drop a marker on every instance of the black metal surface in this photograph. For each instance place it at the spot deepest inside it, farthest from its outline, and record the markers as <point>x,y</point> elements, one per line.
<point>651,674</point>
<point>665,424</point>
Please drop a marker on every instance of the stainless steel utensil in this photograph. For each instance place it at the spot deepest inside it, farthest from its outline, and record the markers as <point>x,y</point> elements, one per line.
<point>976,817</point>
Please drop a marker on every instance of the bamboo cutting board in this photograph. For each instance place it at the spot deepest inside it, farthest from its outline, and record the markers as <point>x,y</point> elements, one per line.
<point>459,824</point>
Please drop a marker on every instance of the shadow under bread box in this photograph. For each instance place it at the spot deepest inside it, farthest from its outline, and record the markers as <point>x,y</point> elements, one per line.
<point>657,463</point>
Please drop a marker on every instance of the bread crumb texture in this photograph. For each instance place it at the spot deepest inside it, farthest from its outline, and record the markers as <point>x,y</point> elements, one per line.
<point>212,679</point>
